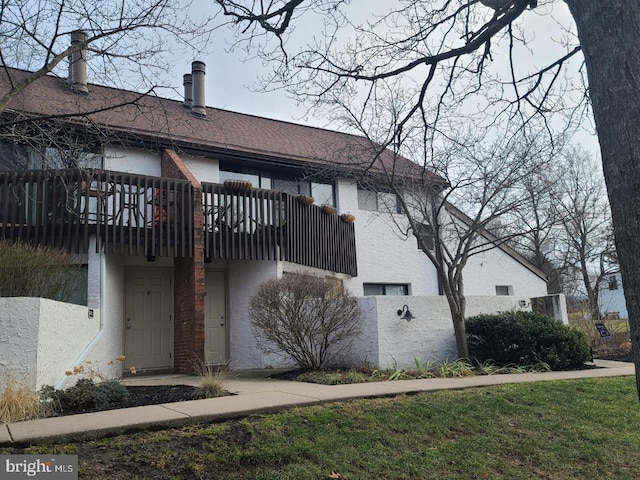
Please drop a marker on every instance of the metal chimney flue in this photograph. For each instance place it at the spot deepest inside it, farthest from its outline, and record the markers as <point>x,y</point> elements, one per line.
<point>187,81</point>
<point>197,75</point>
<point>78,63</point>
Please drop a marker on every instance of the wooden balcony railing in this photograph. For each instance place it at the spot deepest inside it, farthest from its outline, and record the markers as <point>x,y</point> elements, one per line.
<point>141,215</point>
<point>259,224</point>
<point>127,214</point>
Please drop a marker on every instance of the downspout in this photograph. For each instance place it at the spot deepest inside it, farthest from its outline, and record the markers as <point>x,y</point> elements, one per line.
<point>96,338</point>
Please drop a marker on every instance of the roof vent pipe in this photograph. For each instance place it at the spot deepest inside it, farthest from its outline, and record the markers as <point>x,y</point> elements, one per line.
<point>78,63</point>
<point>187,81</point>
<point>197,73</point>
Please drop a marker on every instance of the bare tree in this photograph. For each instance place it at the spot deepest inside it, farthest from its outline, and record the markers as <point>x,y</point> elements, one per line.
<point>586,239</point>
<point>453,203</point>
<point>446,49</point>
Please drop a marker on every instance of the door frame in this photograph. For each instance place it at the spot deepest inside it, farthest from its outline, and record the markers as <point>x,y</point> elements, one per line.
<point>227,336</point>
<point>148,270</point>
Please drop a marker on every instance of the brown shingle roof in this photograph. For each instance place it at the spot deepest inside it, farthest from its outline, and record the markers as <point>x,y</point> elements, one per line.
<point>151,118</point>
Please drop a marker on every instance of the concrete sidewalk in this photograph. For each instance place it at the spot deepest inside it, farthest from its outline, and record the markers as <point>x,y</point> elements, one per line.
<point>255,393</point>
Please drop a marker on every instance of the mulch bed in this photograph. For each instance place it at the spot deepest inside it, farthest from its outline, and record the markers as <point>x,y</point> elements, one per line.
<point>145,395</point>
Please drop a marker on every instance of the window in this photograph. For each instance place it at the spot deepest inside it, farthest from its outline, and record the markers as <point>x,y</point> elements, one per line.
<point>322,193</point>
<point>258,179</point>
<point>378,201</point>
<point>386,289</point>
<point>24,157</point>
<point>425,232</point>
<point>79,295</point>
<point>504,290</point>
<point>613,283</point>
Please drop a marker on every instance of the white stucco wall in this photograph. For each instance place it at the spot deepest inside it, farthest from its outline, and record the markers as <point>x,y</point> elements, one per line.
<point>494,267</point>
<point>40,338</point>
<point>384,255</point>
<point>243,279</point>
<point>136,161</point>
<point>391,342</point>
<point>204,169</point>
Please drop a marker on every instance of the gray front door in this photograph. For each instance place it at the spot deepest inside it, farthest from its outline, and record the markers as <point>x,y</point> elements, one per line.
<point>148,318</point>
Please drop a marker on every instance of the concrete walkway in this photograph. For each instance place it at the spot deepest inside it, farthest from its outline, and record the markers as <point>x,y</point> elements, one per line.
<point>254,393</point>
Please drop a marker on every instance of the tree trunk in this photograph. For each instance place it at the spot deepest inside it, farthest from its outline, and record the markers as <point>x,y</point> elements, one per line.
<point>460,330</point>
<point>609,34</point>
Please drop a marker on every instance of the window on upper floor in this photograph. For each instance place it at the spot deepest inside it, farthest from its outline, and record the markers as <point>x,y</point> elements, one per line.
<point>385,289</point>
<point>613,282</point>
<point>322,193</point>
<point>504,290</point>
<point>15,156</point>
<point>257,178</point>
<point>425,232</point>
<point>378,201</point>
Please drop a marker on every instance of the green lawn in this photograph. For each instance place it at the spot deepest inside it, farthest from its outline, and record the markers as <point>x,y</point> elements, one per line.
<point>581,429</point>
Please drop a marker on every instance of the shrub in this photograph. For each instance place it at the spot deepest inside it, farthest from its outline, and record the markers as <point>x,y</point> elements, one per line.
<point>84,395</point>
<point>36,271</point>
<point>305,317</point>
<point>526,338</point>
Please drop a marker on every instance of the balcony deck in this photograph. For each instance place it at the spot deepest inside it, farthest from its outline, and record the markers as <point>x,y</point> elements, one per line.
<point>142,215</point>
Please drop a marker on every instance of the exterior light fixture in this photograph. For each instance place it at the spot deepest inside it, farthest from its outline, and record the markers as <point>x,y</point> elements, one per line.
<point>405,313</point>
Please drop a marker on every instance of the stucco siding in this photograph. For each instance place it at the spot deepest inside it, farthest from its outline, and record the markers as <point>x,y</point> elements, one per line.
<point>494,267</point>
<point>244,277</point>
<point>136,161</point>
<point>40,338</point>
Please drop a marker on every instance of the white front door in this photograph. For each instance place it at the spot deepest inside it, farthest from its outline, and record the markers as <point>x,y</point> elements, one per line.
<point>215,321</point>
<point>148,318</point>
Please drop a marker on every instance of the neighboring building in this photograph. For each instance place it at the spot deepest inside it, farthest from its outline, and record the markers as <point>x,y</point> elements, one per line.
<point>611,299</point>
<point>172,253</point>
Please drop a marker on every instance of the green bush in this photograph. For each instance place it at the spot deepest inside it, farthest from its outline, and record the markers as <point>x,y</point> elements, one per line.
<point>526,338</point>
<point>85,394</point>
<point>36,271</point>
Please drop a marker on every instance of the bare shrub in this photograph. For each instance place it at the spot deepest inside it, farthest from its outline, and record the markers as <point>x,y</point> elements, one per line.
<point>305,317</point>
<point>36,271</point>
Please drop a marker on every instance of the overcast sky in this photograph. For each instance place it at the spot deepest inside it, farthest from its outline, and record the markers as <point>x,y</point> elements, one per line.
<point>231,77</point>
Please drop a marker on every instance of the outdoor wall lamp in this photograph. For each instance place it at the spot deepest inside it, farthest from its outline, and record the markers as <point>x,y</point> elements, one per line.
<point>407,313</point>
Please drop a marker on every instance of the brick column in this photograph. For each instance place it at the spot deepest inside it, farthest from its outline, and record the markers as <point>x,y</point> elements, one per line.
<point>189,288</point>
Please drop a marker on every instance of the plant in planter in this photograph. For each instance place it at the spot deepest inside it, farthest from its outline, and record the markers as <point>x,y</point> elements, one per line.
<point>305,199</point>
<point>328,209</point>
<point>238,185</point>
<point>347,218</point>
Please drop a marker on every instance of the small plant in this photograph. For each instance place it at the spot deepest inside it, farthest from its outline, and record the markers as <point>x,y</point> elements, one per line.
<point>424,370</point>
<point>18,402</point>
<point>211,377</point>
<point>459,368</point>
<point>91,370</point>
<point>93,390</point>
